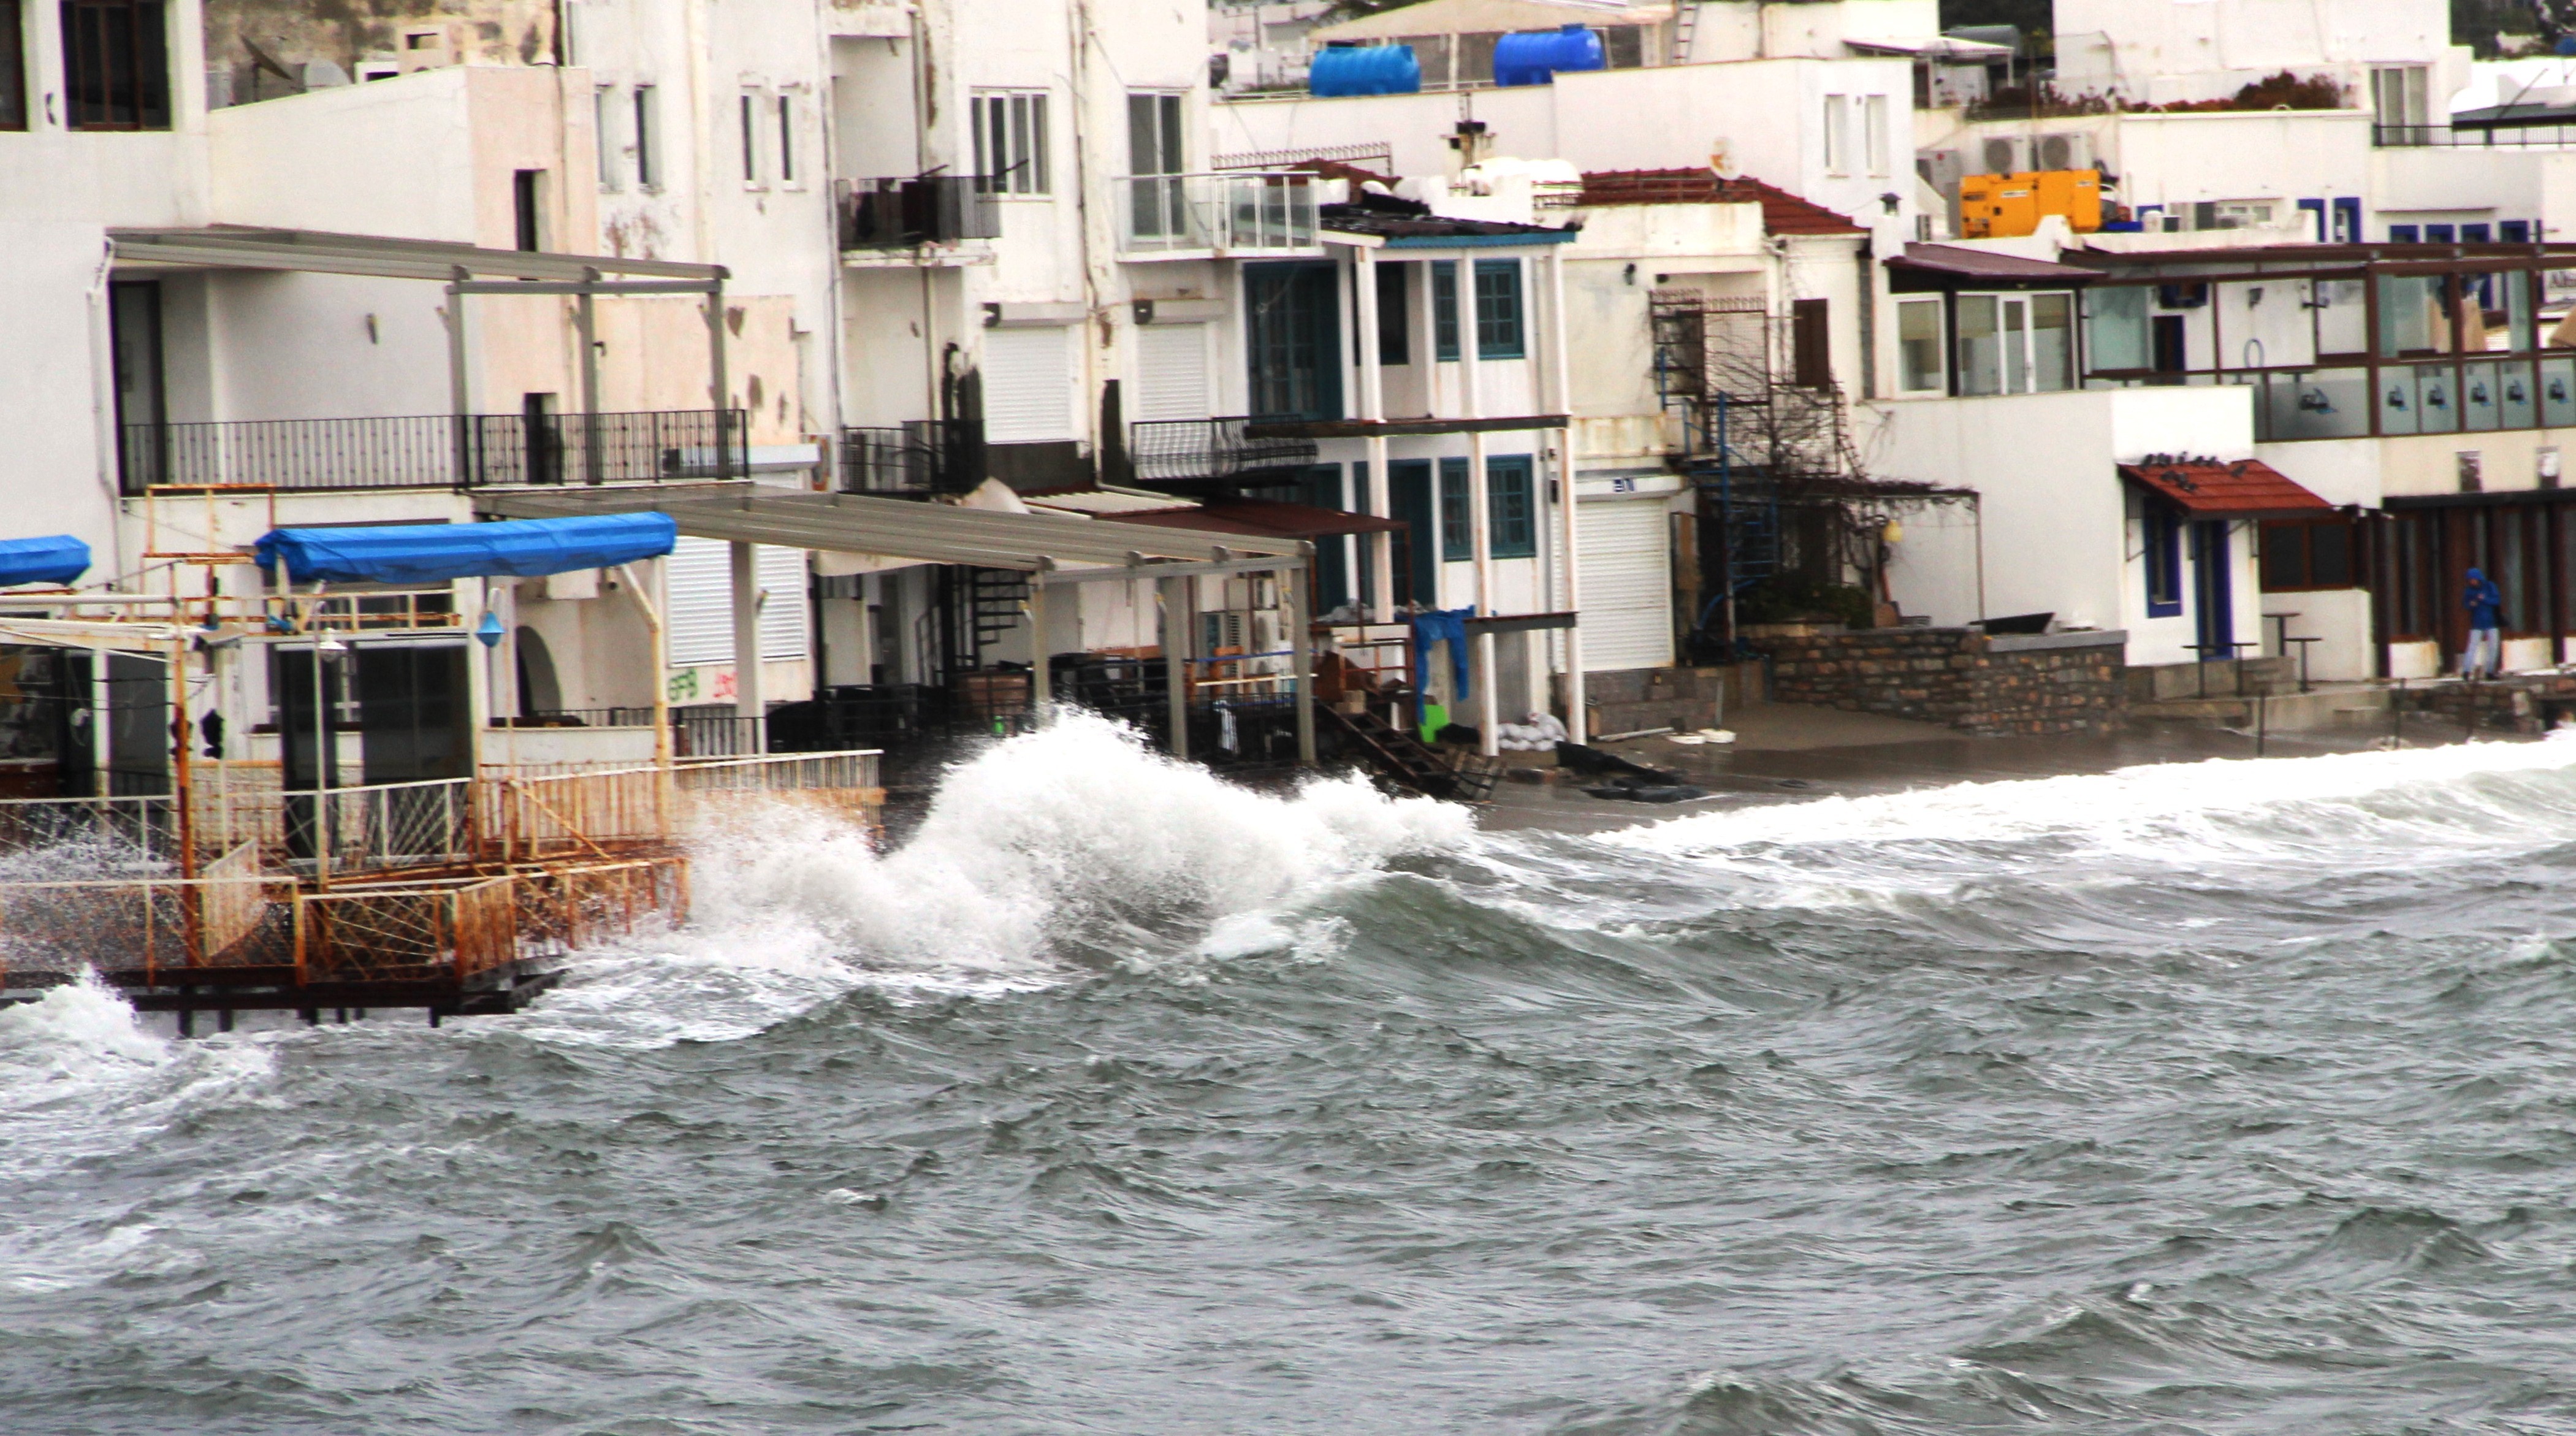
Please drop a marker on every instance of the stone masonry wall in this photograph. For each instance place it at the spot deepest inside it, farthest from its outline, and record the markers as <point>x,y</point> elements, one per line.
<point>1990,687</point>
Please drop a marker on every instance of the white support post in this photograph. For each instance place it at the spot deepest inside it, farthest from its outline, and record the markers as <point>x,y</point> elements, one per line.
<point>1566,470</point>
<point>1301,659</point>
<point>1041,681</point>
<point>1378,552</point>
<point>1479,506</point>
<point>746,634</point>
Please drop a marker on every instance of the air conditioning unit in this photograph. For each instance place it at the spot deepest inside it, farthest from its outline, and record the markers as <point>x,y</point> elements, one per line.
<point>2004,155</point>
<point>1942,169</point>
<point>2070,150</point>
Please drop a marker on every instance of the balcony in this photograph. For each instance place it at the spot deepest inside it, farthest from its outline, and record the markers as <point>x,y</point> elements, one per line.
<point>1238,213</point>
<point>2484,137</point>
<point>1213,454</point>
<point>435,451</point>
<point>890,214</point>
<point>916,460</point>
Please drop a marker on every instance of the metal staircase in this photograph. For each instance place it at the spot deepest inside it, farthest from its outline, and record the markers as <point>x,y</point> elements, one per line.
<point>995,600</point>
<point>1408,762</point>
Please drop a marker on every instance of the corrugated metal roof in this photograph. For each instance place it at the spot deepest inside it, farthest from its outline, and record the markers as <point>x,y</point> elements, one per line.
<point>889,528</point>
<point>1952,259</point>
<point>2246,488</point>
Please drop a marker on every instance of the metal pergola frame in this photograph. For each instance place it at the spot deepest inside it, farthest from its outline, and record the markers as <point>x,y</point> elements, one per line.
<point>464,269</point>
<point>1040,545</point>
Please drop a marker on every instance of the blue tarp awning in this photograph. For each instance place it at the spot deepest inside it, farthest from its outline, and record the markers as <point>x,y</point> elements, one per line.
<point>60,559</point>
<point>435,553</point>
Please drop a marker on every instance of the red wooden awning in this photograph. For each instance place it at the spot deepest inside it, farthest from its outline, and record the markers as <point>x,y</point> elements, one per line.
<point>2244,489</point>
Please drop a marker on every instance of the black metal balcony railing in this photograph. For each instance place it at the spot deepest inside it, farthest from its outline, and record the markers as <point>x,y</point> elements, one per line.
<point>918,459</point>
<point>907,213</point>
<point>437,451</point>
<point>2501,137</point>
<point>1213,452</point>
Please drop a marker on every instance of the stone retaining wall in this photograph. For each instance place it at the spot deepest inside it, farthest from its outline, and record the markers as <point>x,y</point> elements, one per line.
<point>1990,687</point>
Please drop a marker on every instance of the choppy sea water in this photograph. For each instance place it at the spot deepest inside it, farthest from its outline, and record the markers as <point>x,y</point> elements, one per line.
<point>2234,1097</point>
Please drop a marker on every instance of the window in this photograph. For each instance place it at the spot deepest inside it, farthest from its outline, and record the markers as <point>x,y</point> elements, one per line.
<point>13,66</point>
<point>1010,143</point>
<point>1873,135</point>
<point>787,139</point>
<point>1837,134</point>
<point>1811,344</point>
<point>527,210</point>
<point>2307,554</point>
<point>1154,135</point>
<point>2016,343</point>
<point>2405,234</point>
<point>1444,309</point>
<point>2163,559</point>
<point>1981,353</point>
<point>2399,94</point>
<point>1292,339</point>
<point>1457,534</point>
<point>116,65</point>
<point>603,110</point>
<point>1157,202</point>
<point>1623,47</point>
<point>1919,362</point>
<point>1394,318</point>
<point>648,139</point>
<point>1511,510</point>
<point>748,106</point>
<point>1498,309</point>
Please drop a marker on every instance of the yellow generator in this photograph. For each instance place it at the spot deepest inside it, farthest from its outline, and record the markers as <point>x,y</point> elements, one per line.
<point>2008,206</point>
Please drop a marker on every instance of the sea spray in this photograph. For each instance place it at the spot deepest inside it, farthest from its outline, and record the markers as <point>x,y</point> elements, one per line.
<point>1039,855</point>
<point>2482,795</point>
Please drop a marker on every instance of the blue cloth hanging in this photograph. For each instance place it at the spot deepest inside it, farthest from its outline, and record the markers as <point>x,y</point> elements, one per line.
<point>1449,624</point>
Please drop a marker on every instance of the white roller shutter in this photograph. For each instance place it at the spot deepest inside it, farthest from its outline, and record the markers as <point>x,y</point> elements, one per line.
<point>1171,372</point>
<point>782,617</point>
<point>1028,385</point>
<point>700,617</point>
<point>1627,583</point>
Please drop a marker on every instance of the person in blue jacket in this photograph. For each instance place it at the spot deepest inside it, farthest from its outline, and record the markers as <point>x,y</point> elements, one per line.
<point>2485,603</point>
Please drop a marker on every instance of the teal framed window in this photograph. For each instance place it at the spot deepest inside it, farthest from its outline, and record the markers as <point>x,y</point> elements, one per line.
<point>1498,309</point>
<point>1511,508</point>
<point>1457,531</point>
<point>1444,309</point>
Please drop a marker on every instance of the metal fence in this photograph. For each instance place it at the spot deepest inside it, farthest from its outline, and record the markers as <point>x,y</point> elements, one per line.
<point>436,450</point>
<point>906,213</point>
<point>918,458</point>
<point>2507,137</point>
<point>1179,451</point>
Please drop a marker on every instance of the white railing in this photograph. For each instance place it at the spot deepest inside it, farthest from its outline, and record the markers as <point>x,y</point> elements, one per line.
<point>1218,213</point>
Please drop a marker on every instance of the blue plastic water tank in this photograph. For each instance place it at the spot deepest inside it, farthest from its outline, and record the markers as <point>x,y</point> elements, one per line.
<point>1364,70</point>
<point>1535,57</point>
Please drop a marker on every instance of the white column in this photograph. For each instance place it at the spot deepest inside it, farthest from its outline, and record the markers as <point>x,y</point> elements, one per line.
<point>1379,553</point>
<point>1471,385</point>
<point>1566,469</point>
<point>746,632</point>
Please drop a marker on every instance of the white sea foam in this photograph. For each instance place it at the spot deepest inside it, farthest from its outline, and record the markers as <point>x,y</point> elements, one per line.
<point>2480,797</point>
<point>80,1076</point>
<point>1030,847</point>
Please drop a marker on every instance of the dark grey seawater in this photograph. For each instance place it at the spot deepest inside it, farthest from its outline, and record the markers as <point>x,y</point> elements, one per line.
<point>2232,1098</point>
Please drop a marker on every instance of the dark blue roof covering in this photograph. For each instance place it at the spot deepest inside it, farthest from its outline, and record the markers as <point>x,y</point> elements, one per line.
<point>435,553</point>
<point>59,559</point>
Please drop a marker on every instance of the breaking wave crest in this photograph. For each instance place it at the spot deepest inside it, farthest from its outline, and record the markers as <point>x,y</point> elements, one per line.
<point>1044,855</point>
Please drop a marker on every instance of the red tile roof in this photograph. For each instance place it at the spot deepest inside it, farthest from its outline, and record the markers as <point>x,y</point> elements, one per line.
<point>1782,212</point>
<point>2247,488</point>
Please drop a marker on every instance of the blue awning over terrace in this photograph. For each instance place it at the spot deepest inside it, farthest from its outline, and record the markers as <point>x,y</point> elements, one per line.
<point>435,553</point>
<point>58,559</point>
